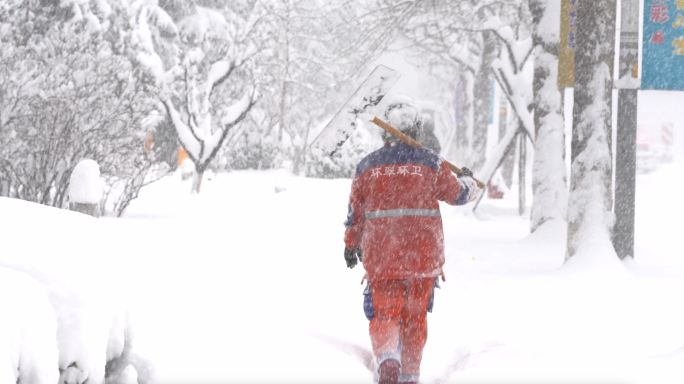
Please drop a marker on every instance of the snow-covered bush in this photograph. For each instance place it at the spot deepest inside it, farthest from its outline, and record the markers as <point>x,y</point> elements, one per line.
<point>82,282</point>
<point>72,89</point>
<point>69,95</point>
<point>249,149</point>
<point>203,73</point>
<point>28,331</point>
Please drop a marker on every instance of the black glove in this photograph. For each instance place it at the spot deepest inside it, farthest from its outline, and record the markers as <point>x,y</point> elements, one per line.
<point>465,172</point>
<point>351,255</point>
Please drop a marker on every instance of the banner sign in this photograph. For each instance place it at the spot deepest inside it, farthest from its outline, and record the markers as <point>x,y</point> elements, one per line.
<point>568,43</point>
<point>663,45</point>
<point>629,41</point>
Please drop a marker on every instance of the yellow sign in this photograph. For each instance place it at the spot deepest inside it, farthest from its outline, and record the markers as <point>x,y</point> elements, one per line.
<point>568,43</point>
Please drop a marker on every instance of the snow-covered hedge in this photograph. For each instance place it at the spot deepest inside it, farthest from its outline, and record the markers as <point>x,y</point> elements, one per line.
<point>80,275</point>
<point>28,346</point>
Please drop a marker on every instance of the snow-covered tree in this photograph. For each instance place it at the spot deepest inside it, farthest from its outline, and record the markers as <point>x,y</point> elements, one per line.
<point>549,181</point>
<point>70,92</point>
<point>590,203</point>
<point>201,72</point>
<point>78,100</point>
<point>305,75</point>
<point>447,35</point>
<point>301,71</point>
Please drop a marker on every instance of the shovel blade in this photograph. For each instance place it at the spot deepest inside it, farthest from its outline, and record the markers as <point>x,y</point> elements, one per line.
<point>366,97</point>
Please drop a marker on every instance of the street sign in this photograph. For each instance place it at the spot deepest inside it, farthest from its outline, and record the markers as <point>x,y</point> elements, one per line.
<point>568,43</point>
<point>629,40</point>
<point>663,45</point>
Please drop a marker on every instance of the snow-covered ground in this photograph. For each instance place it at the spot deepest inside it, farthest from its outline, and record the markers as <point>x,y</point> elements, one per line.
<point>240,284</point>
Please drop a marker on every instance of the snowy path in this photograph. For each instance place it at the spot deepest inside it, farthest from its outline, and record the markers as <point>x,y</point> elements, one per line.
<point>243,285</point>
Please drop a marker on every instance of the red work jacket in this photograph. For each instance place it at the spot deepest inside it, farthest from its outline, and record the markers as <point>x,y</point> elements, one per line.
<point>394,214</point>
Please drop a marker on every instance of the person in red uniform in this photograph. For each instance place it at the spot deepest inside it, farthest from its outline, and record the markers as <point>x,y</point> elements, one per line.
<point>394,228</point>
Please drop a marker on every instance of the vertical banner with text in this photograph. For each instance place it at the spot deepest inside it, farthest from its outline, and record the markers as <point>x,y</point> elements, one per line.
<point>568,43</point>
<point>663,45</point>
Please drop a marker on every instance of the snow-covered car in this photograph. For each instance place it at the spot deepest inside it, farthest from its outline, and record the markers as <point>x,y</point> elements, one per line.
<point>645,158</point>
<point>663,153</point>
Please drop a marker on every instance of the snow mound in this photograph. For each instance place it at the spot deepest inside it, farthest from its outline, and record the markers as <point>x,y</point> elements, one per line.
<point>280,180</point>
<point>596,258</point>
<point>551,232</point>
<point>85,185</point>
<point>28,331</point>
<point>81,278</point>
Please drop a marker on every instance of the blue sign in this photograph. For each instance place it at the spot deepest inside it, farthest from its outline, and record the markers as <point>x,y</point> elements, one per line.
<point>663,52</point>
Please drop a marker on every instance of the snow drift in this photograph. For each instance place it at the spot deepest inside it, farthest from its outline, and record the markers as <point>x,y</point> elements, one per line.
<point>68,255</point>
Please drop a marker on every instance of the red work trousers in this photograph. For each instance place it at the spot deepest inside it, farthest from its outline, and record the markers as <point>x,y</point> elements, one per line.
<point>400,314</point>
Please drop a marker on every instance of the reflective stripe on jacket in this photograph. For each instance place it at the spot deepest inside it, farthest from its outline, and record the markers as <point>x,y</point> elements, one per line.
<point>394,211</point>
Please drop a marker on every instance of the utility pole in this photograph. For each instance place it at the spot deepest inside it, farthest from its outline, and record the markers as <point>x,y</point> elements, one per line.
<point>625,156</point>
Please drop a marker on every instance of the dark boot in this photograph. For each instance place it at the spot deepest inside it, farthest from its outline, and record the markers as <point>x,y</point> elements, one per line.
<point>389,372</point>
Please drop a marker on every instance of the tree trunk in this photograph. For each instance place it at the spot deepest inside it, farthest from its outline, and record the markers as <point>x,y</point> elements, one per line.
<point>482,99</point>
<point>197,182</point>
<point>462,152</point>
<point>591,185</point>
<point>549,180</point>
<point>509,159</point>
<point>522,170</point>
<point>505,146</point>
<point>299,163</point>
<point>458,148</point>
<point>286,72</point>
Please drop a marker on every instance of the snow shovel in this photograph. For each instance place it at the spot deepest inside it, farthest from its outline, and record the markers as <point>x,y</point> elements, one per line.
<point>360,106</point>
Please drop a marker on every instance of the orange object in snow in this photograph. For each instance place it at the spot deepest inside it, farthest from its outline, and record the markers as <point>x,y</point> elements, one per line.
<point>182,155</point>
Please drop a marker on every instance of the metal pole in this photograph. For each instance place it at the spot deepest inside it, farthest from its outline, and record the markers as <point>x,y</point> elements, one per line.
<point>625,157</point>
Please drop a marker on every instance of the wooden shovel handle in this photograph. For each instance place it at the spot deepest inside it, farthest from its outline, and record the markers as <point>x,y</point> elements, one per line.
<point>414,143</point>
